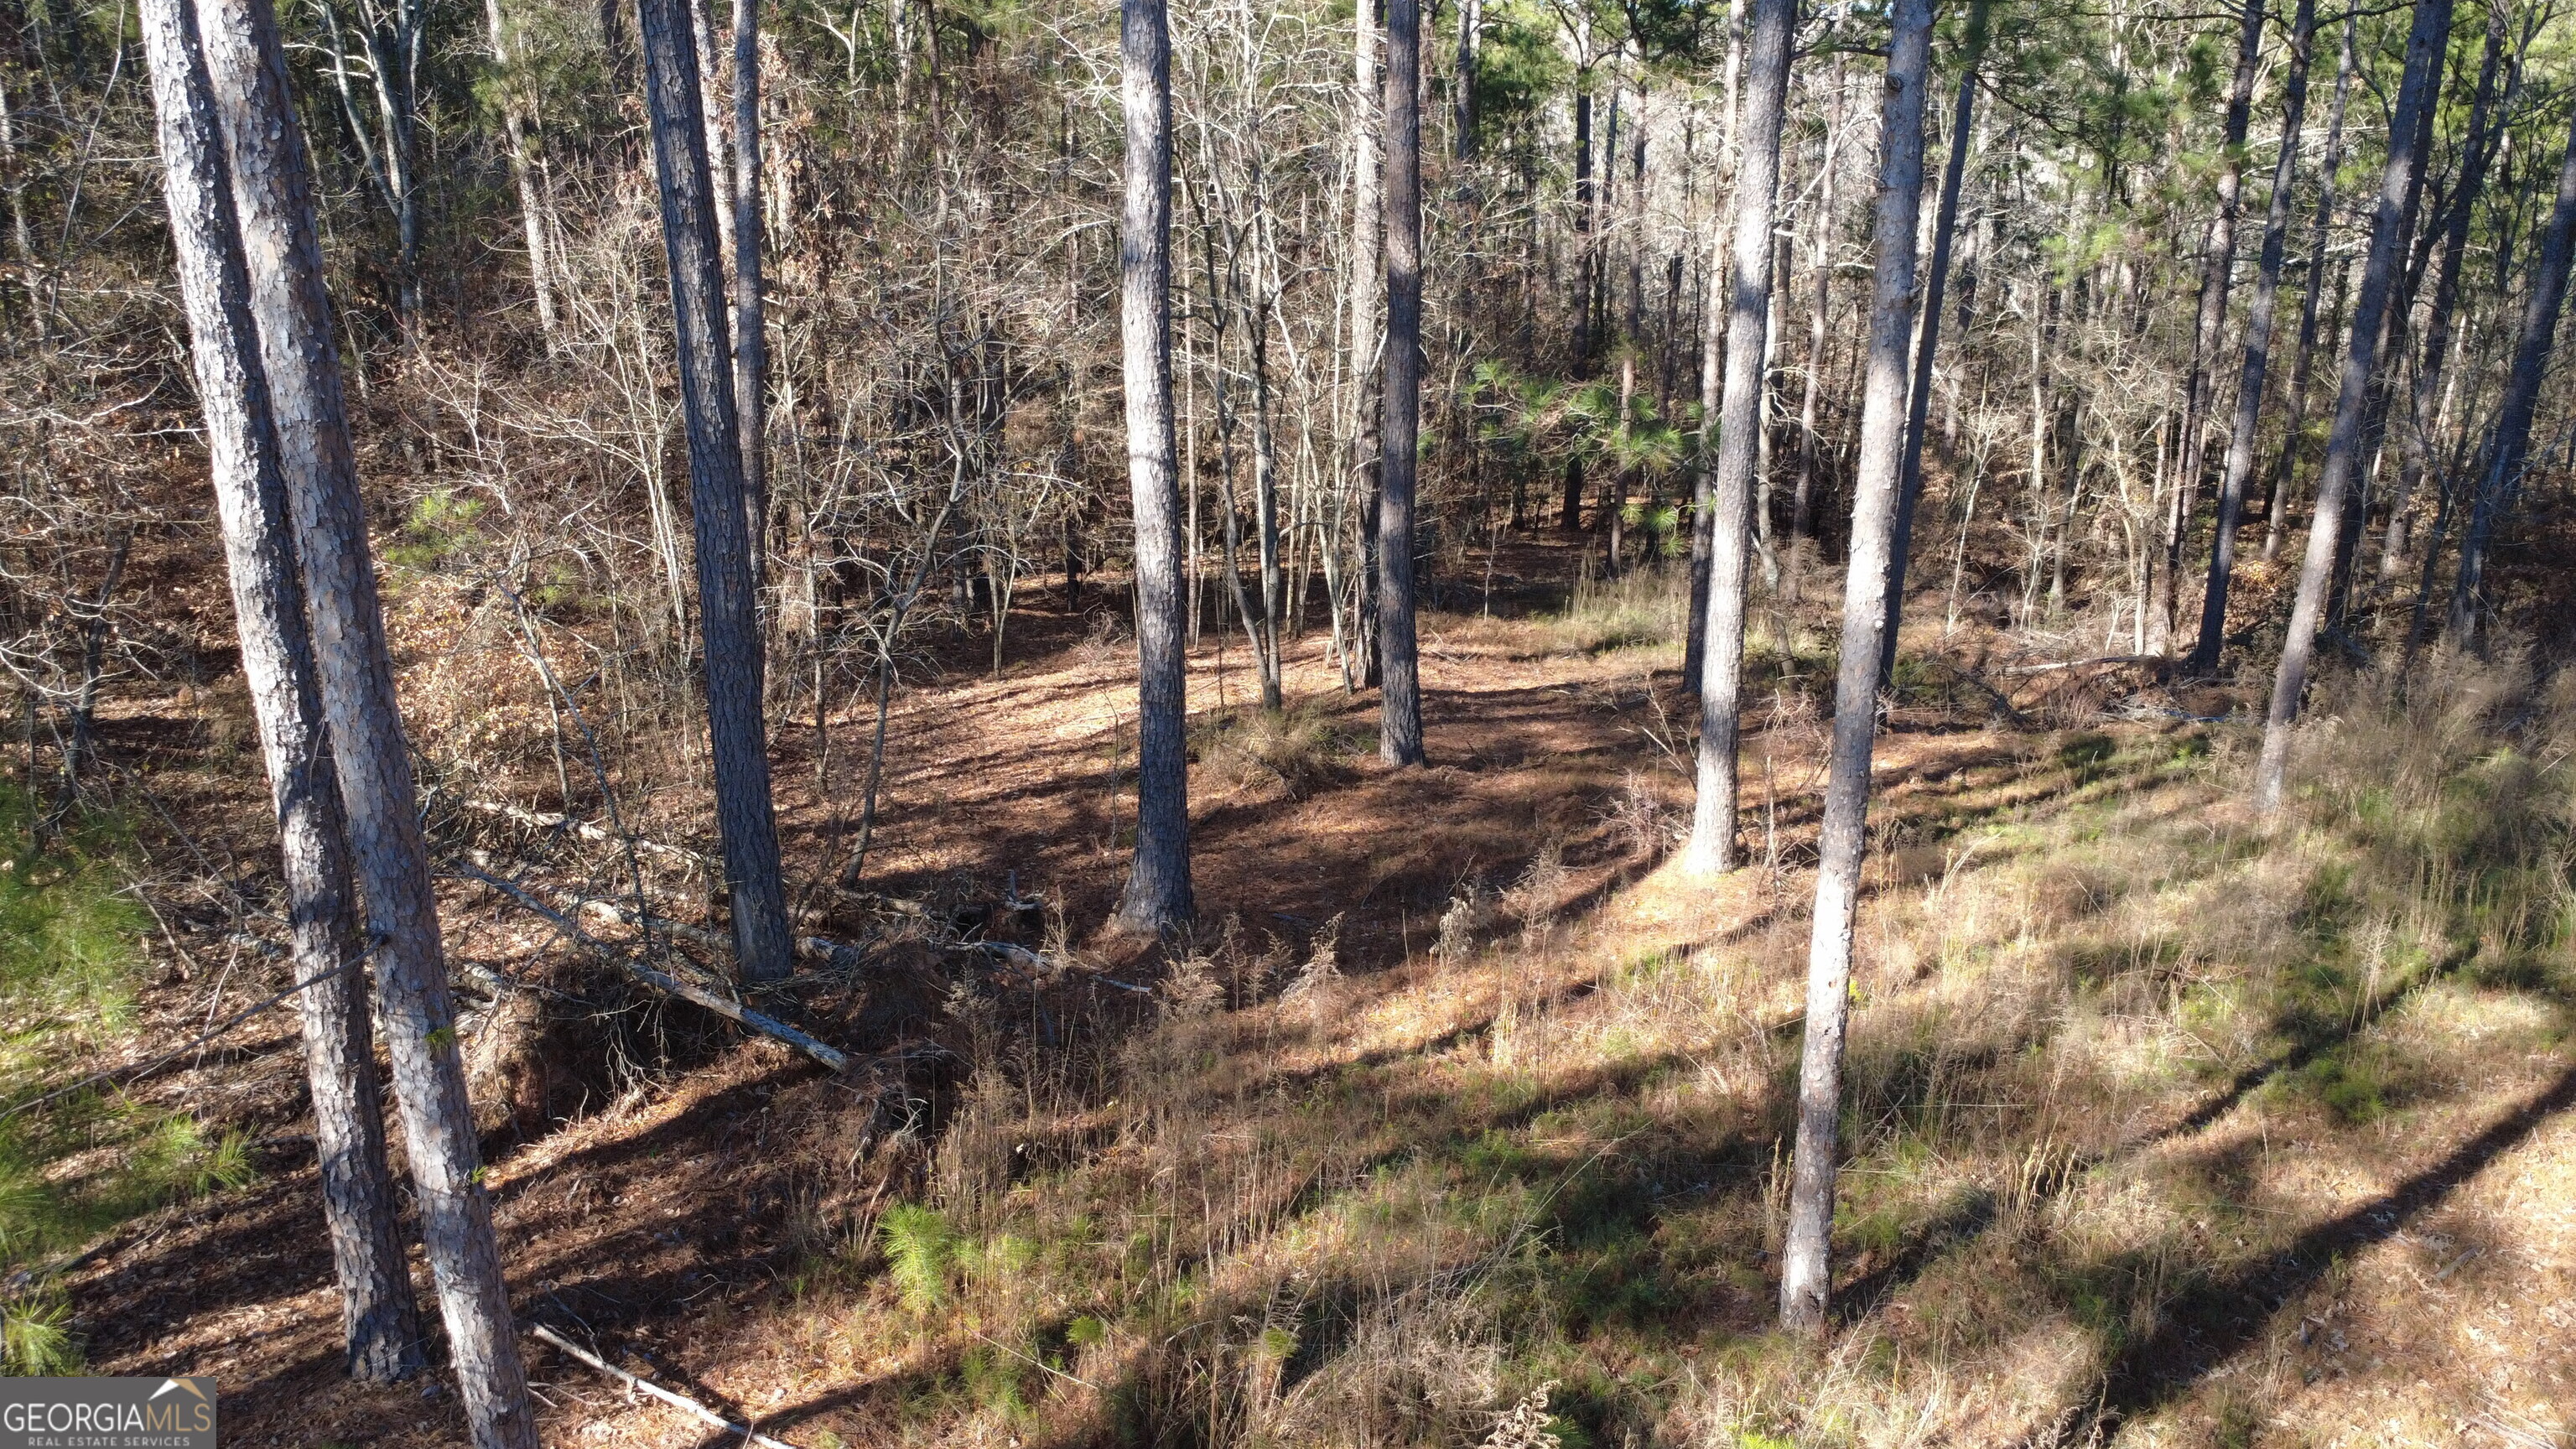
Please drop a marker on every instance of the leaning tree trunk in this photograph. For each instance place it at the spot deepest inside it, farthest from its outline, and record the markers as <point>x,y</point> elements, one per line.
<point>2217,268</point>
<point>273,200</point>
<point>2258,349</point>
<point>2521,400</point>
<point>1712,839</point>
<point>2343,445</point>
<point>1158,884</point>
<point>1806,1265</point>
<point>728,611</point>
<point>1400,696</point>
<point>1918,410</point>
<point>380,1322</point>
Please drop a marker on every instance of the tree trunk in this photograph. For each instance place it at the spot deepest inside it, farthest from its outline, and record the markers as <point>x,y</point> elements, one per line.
<point>1471,19</point>
<point>1712,377</point>
<point>2423,69</point>
<point>379,1319</point>
<point>1802,520</point>
<point>2302,368</point>
<point>1158,884</point>
<point>532,215</point>
<point>2503,475</point>
<point>2217,267</point>
<point>1919,405</point>
<point>728,611</point>
<point>1757,175</point>
<point>272,197</point>
<point>1806,1266</point>
<point>2258,349</point>
<point>1400,698</point>
<point>750,337</point>
<point>2415,444</point>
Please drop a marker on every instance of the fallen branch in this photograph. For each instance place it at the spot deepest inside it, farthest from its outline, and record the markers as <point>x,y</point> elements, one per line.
<point>2082,663</point>
<point>681,1402</point>
<point>550,820</point>
<point>813,948</point>
<point>666,983</point>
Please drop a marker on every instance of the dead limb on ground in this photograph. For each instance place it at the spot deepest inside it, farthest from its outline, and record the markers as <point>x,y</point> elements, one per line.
<point>642,1385</point>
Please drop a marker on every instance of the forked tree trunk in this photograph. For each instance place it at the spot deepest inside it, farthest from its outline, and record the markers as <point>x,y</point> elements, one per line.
<point>2217,269</point>
<point>1712,839</point>
<point>1400,697</point>
<point>1158,883</point>
<point>2343,445</point>
<point>1927,348</point>
<point>273,201</point>
<point>380,1322</point>
<point>728,613</point>
<point>2258,349</point>
<point>1806,1262</point>
<point>2521,399</point>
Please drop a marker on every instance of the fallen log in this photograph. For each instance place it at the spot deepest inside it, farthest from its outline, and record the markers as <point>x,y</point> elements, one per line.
<point>666,983</point>
<point>643,1385</point>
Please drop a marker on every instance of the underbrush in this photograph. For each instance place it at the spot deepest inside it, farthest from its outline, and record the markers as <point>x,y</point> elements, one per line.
<point>75,1162</point>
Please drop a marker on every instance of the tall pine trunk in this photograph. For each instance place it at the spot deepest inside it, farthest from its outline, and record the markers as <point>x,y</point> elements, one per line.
<point>2258,349</point>
<point>380,1322</point>
<point>1712,839</point>
<point>1927,348</point>
<point>2503,474</point>
<point>389,858</point>
<point>1806,1279</point>
<point>1400,698</point>
<point>750,337</point>
<point>1158,883</point>
<point>728,611</point>
<point>2343,445</point>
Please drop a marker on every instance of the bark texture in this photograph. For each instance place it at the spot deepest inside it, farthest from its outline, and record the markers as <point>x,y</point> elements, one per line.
<point>1158,883</point>
<point>719,504</point>
<point>380,1321</point>
<point>1806,1266</point>
<point>1400,699</point>
<point>272,195</point>
<point>1748,302</point>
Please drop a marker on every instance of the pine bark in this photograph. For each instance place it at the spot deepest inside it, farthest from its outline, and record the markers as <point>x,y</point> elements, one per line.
<point>2258,349</point>
<point>2424,46</point>
<point>1927,349</point>
<point>1712,841</point>
<point>750,335</point>
<point>1158,882</point>
<point>273,201</point>
<point>719,506</point>
<point>1807,1272</point>
<point>380,1321</point>
<point>2503,475</point>
<point>1400,697</point>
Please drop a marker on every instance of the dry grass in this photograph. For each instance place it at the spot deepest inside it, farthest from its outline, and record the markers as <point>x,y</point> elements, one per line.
<point>2129,1071</point>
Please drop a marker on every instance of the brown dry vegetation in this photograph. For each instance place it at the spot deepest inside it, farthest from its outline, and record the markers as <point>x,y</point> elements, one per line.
<point>1462,1105</point>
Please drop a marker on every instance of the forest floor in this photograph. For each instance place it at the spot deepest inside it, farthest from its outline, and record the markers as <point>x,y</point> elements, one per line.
<point>2164,1127</point>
